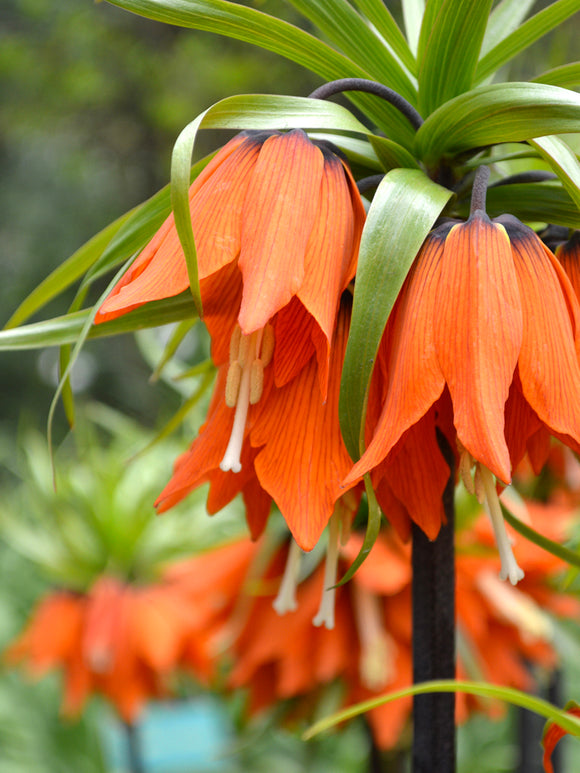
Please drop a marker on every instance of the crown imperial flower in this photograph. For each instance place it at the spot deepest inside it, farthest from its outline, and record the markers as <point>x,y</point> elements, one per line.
<point>498,361</point>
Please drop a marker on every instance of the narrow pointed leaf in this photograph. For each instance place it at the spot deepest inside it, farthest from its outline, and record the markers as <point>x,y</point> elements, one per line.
<point>66,329</point>
<point>567,76</point>
<point>380,16</point>
<point>484,689</point>
<point>504,19</point>
<point>563,161</point>
<point>570,556</point>
<point>523,37</point>
<point>404,208</point>
<point>371,534</point>
<point>260,29</point>
<point>449,45</point>
<point>500,112</point>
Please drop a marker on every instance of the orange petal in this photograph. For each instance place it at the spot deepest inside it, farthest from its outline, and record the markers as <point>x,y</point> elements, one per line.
<point>278,216</point>
<point>552,735</point>
<point>478,335</point>
<point>160,270</point>
<point>417,474</point>
<point>328,263</point>
<point>414,380</point>
<point>548,362</point>
<point>304,458</point>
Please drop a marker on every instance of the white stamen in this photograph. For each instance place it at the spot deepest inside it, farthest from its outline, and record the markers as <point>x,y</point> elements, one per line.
<point>325,614</point>
<point>285,601</point>
<point>516,608</point>
<point>231,460</point>
<point>509,566</point>
<point>377,648</point>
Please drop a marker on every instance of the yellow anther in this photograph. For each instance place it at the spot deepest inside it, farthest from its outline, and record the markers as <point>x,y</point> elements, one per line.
<point>235,343</point>
<point>244,348</point>
<point>233,381</point>
<point>256,381</point>
<point>267,345</point>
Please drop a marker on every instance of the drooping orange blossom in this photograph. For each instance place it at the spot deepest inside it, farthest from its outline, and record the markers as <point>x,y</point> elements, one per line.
<point>277,221</point>
<point>483,344</point>
<point>278,657</point>
<point>118,640</point>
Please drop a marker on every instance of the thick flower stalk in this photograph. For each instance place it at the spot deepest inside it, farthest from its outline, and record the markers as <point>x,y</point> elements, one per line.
<point>118,640</point>
<point>483,344</point>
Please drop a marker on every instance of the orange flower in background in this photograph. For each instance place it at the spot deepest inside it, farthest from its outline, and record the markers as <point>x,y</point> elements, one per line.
<point>117,640</point>
<point>276,648</point>
<point>289,449</point>
<point>461,352</point>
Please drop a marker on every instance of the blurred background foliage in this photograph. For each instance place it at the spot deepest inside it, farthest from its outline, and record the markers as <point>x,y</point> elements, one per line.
<point>92,102</point>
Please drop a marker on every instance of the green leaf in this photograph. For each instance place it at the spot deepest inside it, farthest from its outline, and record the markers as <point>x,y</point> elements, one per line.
<point>403,210</point>
<point>380,16</point>
<point>66,329</point>
<point>391,154</point>
<point>353,35</point>
<point>259,29</point>
<point>413,12</point>
<point>504,19</point>
<point>449,45</point>
<point>500,112</point>
<point>567,76</point>
<point>570,556</point>
<point>523,37</point>
<point>371,534</point>
<point>67,273</point>
<point>563,161</point>
<point>541,202</point>
<point>508,694</point>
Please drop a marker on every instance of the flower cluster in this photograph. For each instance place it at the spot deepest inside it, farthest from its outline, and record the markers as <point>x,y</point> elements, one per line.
<point>285,658</point>
<point>494,370</point>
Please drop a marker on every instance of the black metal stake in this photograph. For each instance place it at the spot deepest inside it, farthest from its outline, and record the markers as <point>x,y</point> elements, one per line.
<point>434,639</point>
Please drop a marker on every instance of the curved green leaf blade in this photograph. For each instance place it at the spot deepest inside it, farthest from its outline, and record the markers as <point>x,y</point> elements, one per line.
<point>67,328</point>
<point>371,534</point>
<point>508,694</point>
<point>567,76</point>
<point>570,556</point>
<point>259,29</point>
<point>449,45</point>
<point>504,19</point>
<point>242,112</point>
<point>403,210</point>
<point>391,154</point>
<point>500,112</point>
<point>523,37</point>
<point>563,161</point>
